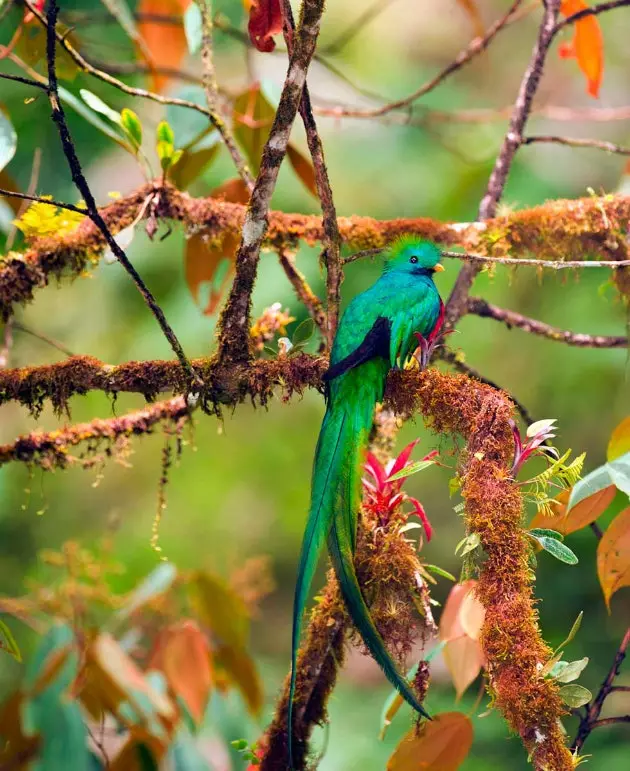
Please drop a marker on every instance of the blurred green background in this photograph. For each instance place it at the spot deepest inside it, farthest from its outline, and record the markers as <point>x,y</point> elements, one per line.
<point>242,485</point>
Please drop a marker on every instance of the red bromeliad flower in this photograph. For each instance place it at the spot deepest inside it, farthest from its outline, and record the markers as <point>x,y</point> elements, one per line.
<point>427,344</point>
<point>382,486</point>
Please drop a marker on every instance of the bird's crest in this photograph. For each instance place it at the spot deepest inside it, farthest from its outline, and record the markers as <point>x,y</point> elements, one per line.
<point>400,252</point>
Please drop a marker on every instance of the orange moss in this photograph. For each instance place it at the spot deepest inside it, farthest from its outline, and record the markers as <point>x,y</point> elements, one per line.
<point>511,639</point>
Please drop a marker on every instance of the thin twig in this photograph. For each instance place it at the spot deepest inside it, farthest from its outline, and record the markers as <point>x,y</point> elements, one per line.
<point>214,117</point>
<point>44,338</point>
<point>551,264</point>
<point>48,201</point>
<point>475,47</point>
<point>234,324</point>
<point>480,307</point>
<point>591,719</point>
<point>597,144</point>
<point>212,91</point>
<point>456,304</point>
<point>81,183</point>
<point>25,81</point>
<point>594,11</point>
<point>368,15</point>
<point>306,295</point>
<point>332,237</point>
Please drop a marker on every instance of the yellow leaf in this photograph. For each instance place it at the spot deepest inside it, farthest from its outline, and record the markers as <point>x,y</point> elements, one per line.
<point>619,443</point>
<point>220,609</point>
<point>182,653</point>
<point>441,745</point>
<point>580,516</point>
<point>613,556</point>
<point>239,667</point>
<point>587,45</point>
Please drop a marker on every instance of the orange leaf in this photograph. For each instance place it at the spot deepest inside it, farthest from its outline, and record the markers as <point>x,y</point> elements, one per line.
<point>587,46</point>
<point>212,262</point>
<point>303,168</point>
<point>265,20</point>
<point>441,745</point>
<point>619,443</point>
<point>613,556</point>
<point>471,9</point>
<point>165,43</point>
<point>471,615</point>
<point>181,652</point>
<point>580,516</point>
<point>450,622</point>
<point>464,659</point>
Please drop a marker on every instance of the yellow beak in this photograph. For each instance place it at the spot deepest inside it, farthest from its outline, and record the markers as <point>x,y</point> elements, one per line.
<point>438,268</point>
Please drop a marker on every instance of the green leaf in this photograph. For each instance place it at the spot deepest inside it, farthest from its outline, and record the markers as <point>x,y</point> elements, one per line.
<point>193,27</point>
<point>571,671</point>
<point>87,114</point>
<point>558,550</point>
<point>8,140</point>
<point>468,544</point>
<point>98,105</point>
<point>303,332</point>
<point>7,642</point>
<point>165,133</point>
<point>440,572</point>
<point>412,468</point>
<point>156,583</point>
<point>574,630</point>
<point>537,532</point>
<point>184,754</point>
<point>131,126</point>
<point>575,695</point>
<point>454,486</point>
<point>620,473</point>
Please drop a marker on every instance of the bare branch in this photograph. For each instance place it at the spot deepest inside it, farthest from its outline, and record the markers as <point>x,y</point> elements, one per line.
<point>79,180</point>
<point>550,264</point>
<point>609,147</point>
<point>594,11</point>
<point>332,238</point>
<point>591,719</point>
<point>305,294</point>
<point>480,307</point>
<point>474,48</point>
<point>47,201</point>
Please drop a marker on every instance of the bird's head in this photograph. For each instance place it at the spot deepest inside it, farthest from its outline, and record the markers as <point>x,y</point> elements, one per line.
<point>414,256</point>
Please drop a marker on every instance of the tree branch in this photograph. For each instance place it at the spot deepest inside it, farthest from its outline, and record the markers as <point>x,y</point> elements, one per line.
<point>305,294</point>
<point>591,718</point>
<point>594,11</point>
<point>480,307</point>
<point>609,147</point>
<point>79,180</point>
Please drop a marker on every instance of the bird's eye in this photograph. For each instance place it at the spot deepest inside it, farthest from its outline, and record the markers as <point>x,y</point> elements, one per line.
<point>413,259</point>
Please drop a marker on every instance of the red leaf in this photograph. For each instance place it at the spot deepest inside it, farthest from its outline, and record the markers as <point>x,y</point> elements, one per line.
<point>587,45</point>
<point>265,20</point>
<point>403,457</point>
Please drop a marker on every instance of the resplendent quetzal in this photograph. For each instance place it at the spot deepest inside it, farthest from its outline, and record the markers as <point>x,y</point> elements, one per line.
<point>376,333</point>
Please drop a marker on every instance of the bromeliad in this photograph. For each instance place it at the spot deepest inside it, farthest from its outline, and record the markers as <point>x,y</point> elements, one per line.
<point>377,332</point>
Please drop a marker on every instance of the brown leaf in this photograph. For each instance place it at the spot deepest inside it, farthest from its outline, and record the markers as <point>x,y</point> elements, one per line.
<point>253,117</point>
<point>472,11</point>
<point>580,516</point>
<point>450,622</point>
<point>219,608</point>
<point>303,168</point>
<point>191,165</point>
<point>265,20</point>
<point>182,653</point>
<point>613,556</point>
<point>131,756</point>
<point>8,183</point>
<point>110,677</point>
<point>619,443</point>
<point>441,745</point>
<point>464,659</point>
<point>16,743</point>
<point>165,44</point>
<point>241,672</point>
<point>212,261</point>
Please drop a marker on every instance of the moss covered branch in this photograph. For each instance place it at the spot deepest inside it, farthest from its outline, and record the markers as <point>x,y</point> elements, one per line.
<point>558,230</point>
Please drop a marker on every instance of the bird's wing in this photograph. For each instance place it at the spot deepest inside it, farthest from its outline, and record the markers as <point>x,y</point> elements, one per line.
<point>375,343</point>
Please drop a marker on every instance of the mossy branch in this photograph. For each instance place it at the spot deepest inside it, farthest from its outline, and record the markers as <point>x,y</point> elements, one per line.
<point>511,640</point>
<point>558,230</point>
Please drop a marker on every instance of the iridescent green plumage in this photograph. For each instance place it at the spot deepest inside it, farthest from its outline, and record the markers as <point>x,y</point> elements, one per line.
<point>375,334</point>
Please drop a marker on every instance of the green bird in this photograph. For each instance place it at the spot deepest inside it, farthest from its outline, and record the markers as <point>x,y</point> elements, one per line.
<point>376,333</point>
